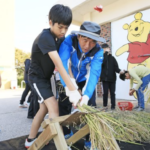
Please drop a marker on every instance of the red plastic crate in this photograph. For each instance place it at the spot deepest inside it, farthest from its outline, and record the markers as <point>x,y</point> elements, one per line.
<point>125,106</point>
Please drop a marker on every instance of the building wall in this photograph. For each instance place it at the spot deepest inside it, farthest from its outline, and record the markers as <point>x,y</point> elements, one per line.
<point>106,34</point>
<point>7,49</point>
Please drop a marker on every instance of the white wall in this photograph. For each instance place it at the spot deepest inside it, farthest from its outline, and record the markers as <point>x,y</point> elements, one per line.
<point>7,49</point>
<point>119,38</point>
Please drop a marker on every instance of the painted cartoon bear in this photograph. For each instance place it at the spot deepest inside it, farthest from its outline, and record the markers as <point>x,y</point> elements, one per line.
<point>139,46</point>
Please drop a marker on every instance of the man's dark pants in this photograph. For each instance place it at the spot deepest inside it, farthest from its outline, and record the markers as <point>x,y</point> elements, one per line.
<point>107,85</point>
<point>25,93</point>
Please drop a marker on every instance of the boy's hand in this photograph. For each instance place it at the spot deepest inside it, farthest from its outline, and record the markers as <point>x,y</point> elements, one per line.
<point>75,85</point>
<point>74,97</point>
<point>131,92</point>
<point>84,100</point>
<point>67,91</point>
<point>74,82</point>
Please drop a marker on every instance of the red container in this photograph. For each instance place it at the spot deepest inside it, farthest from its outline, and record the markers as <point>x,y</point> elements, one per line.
<point>125,106</point>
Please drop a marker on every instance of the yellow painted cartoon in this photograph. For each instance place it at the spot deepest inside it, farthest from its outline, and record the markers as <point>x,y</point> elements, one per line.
<point>139,46</point>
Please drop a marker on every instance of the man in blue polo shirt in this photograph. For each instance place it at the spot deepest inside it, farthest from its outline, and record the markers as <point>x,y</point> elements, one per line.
<point>84,55</point>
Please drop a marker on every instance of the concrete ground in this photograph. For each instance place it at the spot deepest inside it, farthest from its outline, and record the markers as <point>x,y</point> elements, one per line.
<point>13,120</point>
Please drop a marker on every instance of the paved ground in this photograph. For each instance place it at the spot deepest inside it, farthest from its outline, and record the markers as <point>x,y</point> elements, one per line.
<point>13,120</point>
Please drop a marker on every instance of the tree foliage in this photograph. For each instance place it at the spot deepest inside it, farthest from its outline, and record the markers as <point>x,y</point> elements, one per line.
<point>20,58</point>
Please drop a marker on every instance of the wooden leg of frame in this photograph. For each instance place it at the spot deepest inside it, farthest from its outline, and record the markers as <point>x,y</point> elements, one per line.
<point>48,133</point>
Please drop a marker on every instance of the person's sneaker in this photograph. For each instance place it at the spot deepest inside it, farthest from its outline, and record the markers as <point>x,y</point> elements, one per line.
<point>140,109</point>
<point>22,106</point>
<point>105,108</point>
<point>28,104</point>
<point>28,144</point>
<point>113,109</point>
<point>67,136</point>
<point>136,107</point>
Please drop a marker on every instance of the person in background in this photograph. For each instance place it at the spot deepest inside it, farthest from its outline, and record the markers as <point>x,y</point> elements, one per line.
<point>81,53</point>
<point>27,87</point>
<point>108,77</point>
<point>142,76</point>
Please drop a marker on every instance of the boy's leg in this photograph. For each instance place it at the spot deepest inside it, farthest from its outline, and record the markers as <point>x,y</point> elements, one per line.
<point>146,81</point>
<point>37,121</point>
<point>50,105</point>
<point>138,98</point>
<point>105,92</point>
<point>112,87</point>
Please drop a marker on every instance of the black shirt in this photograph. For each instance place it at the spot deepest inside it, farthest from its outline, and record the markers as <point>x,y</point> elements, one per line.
<point>109,68</point>
<point>41,64</point>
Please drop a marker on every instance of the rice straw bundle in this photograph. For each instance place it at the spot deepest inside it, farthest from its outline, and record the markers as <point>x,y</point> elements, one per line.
<point>124,126</point>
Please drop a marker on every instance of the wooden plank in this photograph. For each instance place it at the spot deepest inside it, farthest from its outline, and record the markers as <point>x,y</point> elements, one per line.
<point>48,133</point>
<point>54,120</point>
<point>78,135</point>
<point>45,123</point>
<point>73,119</point>
<point>59,139</point>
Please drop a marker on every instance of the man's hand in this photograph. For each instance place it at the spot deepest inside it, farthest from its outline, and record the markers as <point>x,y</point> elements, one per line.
<point>74,97</point>
<point>84,100</point>
<point>131,92</point>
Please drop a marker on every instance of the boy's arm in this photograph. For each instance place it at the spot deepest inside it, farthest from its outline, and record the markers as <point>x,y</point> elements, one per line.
<point>70,71</point>
<point>64,53</point>
<point>59,66</point>
<point>93,74</point>
<point>131,83</point>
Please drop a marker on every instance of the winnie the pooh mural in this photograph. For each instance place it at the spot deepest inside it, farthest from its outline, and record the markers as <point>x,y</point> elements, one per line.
<point>139,42</point>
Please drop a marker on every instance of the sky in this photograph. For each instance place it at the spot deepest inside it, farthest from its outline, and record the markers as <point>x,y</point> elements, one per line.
<point>31,17</point>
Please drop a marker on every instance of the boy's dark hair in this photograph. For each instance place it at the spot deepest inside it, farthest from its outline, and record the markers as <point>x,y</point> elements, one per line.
<point>105,45</point>
<point>60,14</point>
<point>123,76</point>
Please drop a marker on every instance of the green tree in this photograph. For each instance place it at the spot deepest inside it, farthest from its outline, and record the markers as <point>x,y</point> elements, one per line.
<point>20,58</point>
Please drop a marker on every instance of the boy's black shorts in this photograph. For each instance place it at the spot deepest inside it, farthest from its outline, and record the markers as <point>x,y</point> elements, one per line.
<point>42,89</point>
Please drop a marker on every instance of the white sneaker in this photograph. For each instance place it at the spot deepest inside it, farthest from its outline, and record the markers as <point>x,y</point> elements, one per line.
<point>28,104</point>
<point>22,106</point>
<point>28,144</point>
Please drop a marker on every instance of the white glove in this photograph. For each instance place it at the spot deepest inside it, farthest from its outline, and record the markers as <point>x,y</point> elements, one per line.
<point>74,97</point>
<point>84,100</point>
<point>74,82</point>
<point>67,91</point>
